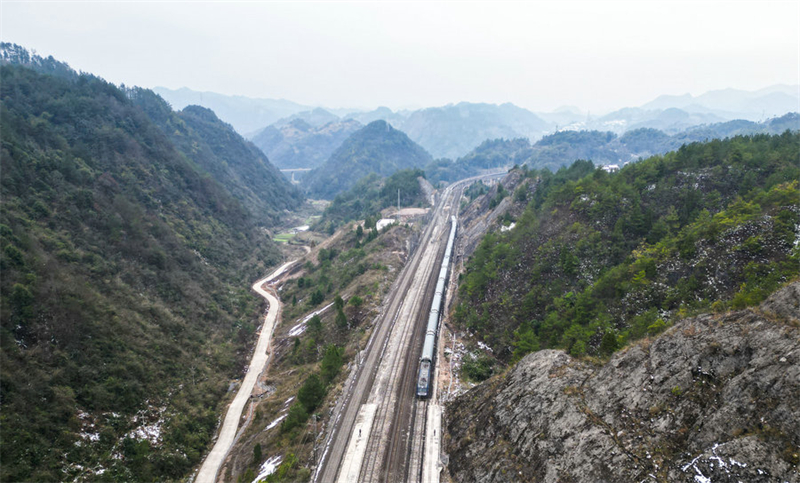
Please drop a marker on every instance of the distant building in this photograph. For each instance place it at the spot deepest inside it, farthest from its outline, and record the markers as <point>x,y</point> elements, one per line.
<point>610,168</point>
<point>384,222</point>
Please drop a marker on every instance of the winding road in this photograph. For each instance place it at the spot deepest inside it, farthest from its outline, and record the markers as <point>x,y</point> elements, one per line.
<point>227,434</point>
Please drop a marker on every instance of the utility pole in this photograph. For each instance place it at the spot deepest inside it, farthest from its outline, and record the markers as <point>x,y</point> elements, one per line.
<point>398,201</point>
<point>314,444</point>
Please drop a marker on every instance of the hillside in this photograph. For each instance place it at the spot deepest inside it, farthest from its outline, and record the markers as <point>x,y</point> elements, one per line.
<point>597,259</point>
<point>489,155</point>
<point>607,148</point>
<point>371,194</point>
<point>376,148</point>
<point>126,253</point>
<point>245,114</point>
<point>317,117</point>
<point>711,399</point>
<point>299,144</point>
<point>217,149</point>
<point>561,148</point>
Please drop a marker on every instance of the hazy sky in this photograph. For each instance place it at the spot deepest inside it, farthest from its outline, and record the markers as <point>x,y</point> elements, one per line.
<point>539,55</point>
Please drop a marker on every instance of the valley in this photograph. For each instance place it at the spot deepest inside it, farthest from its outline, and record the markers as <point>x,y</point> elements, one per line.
<point>180,304</point>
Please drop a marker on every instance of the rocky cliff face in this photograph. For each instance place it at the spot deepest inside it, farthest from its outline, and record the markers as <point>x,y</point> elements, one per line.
<point>714,398</point>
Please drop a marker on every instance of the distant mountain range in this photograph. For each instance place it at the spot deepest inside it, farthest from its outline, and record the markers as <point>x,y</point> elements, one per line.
<point>454,130</point>
<point>245,114</point>
<point>768,102</point>
<point>601,147</point>
<point>678,113</point>
<point>450,131</point>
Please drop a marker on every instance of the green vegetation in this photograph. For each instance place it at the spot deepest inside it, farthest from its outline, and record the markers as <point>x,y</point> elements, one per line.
<point>491,154</point>
<point>311,364</point>
<point>376,148</point>
<point>478,368</point>
<point>337,269</point>
<point>314,389</point>
<point>372,194</point>
<point>559,149</point>
<point>125,258</point>
<point>283,237</point>
<point>599,259</point>
<point>331,363</point>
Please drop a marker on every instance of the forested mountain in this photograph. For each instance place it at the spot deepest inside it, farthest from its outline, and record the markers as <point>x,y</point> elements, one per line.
<point>452,131</point>
<point>491,154</point>
<point>599,259</point>
<point>382,113</point>
<point>245,114</point>
<point>215,147</point>
<point>129,236</point>
<point>670,120</point>
<point>673,114</point>
<point>372,193</point>
<point>559,149</point>
<point>448,131</point>
<point>376,148</point>
<point>299,144</point>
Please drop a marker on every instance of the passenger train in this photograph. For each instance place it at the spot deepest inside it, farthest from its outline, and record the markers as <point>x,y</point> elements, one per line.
<point>427,360</point>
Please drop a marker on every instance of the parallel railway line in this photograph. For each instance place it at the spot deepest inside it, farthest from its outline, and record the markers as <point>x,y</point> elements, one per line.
<point>384,385</point>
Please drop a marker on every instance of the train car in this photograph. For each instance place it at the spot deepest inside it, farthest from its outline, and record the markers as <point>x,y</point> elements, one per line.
<point>427,359</point>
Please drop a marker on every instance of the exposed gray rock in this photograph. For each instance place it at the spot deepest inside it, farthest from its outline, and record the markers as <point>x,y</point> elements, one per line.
<point>784,303</point>
<point>715,398</point>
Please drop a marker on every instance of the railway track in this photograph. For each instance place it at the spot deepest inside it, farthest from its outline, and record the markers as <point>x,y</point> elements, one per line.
<point>357,393</point>
<point>380,399</point>
<point>398,430</point>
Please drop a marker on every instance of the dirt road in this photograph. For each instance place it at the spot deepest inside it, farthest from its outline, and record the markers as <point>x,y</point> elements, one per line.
<point>208,472</point>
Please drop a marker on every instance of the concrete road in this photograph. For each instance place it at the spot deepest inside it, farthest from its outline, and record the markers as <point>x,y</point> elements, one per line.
<point>213,462</point>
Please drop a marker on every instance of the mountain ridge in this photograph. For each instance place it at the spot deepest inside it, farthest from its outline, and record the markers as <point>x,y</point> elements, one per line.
<point>376,148</point>
<point>298,144</point>
<point>126,260</point>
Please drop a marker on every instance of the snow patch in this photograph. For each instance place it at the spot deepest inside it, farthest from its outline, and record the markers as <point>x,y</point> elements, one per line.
<point>150,422</point>
<point>484,346</point>
<point>297,329</point>
<point>268,468</point>
<point>509,227</point>
<point>275,423</point>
